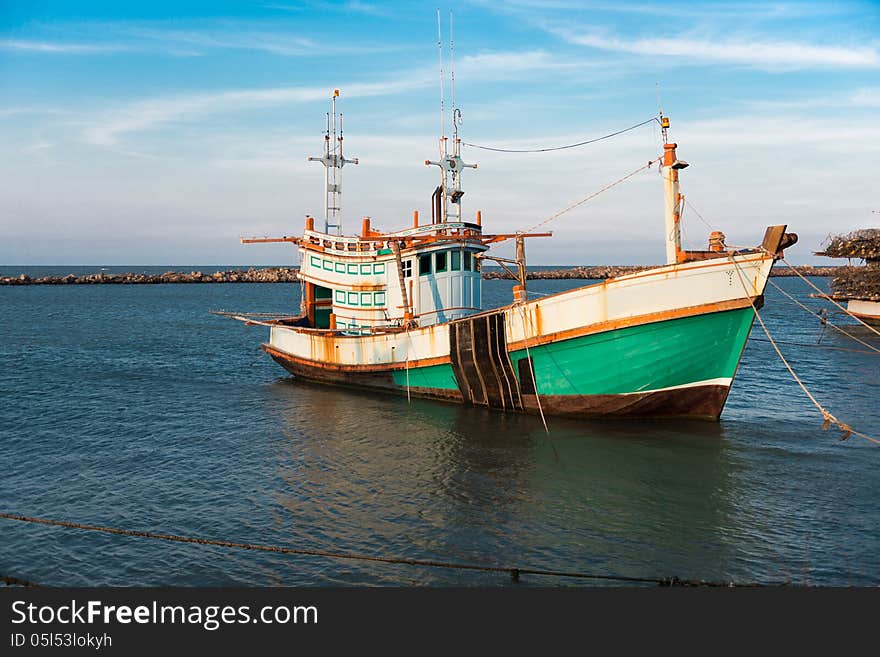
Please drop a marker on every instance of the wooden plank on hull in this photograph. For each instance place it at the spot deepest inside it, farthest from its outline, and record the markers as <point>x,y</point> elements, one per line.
<point>478,352</point>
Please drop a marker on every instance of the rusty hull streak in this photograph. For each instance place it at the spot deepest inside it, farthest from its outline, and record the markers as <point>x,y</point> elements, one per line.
<point>335,366</point>
<point>359,379</point>
<point>699,402</point>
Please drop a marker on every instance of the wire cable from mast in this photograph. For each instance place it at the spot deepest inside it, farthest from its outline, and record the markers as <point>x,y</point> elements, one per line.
<point>589,197</point>
<point>559,148</point>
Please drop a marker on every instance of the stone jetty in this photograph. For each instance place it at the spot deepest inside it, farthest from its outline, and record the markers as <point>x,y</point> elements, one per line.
<point>599,272</point>
<point>269,275</point>
<point>289,275</point>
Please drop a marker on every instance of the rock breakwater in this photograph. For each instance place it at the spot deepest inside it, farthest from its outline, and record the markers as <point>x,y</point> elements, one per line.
<point>289,275</point>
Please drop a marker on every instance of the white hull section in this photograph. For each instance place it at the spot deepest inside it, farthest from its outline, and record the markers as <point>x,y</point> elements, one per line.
<point>864,309</point>
<point>654,295</point>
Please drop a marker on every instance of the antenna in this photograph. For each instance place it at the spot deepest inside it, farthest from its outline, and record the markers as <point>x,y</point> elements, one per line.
<point>333,162</point>
<point>442,109</point>
<point>664,121</point>
<point>452,66</point>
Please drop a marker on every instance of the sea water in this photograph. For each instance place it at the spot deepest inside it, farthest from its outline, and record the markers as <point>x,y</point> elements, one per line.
<point>133,407</point>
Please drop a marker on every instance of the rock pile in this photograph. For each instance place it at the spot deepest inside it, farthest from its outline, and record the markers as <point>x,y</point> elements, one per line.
<point>864,244</point>
<point>289,275</point>
<point>600,272</point>
<point>270,275</point>
<point>856,283</point>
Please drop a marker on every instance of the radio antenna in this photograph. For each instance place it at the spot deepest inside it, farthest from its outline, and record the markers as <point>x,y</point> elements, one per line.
<point>452,71</point>
<point>442,108</point>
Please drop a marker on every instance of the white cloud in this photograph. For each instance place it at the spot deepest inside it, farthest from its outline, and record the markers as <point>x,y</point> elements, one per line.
<point>753,52</point>
<point>50,47</point>
<point>110,127</point>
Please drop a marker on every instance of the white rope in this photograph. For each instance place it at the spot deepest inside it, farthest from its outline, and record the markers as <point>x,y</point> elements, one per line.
<point>827,321</point>
<point>829,418</point>
<point>522,310</point>
<point>825,296</point>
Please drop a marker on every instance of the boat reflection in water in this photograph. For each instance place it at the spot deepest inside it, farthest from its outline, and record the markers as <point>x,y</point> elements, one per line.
<point>372,474</point>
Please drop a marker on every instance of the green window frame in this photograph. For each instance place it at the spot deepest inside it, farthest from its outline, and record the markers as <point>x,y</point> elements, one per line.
<point>378,298</point>
<point>425,265</point>
<point>366,298</point>
<point>340,296</point>
<point>455,260</point>
<point>379,268</point>
<point>366,269</point>
<point>316,262</point>
<point>468,261</point>
<point>328,265</point>
<point>440,261</point>
<point>352,298</point>
<point>353,269</point>
<point>340,267</point>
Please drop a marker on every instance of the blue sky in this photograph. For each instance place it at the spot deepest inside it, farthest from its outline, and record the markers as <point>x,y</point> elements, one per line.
<point>159,132</point>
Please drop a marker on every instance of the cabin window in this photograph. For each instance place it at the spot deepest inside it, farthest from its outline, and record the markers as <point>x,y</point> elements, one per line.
<point>366,298</point>
<point>352,298</point>
<point>340,296</point>
<point>316,262</point>
<point>378,298</point>
<point>353,269</point>
<point>379,268</point>
<point>366,269</point>
<point>468,260</point>
<point>328,265</point>
<point>441,261</point>
<point>455,261</point>
<point>406,267</point>
<point>340,267</point>
<point>425,265</point>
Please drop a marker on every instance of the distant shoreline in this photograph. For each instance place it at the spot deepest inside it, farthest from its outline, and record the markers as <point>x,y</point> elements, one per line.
<point>289,275</point>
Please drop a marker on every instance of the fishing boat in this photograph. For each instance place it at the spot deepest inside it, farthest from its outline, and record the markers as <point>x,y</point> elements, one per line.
<point>858,287</point>
<point>401,311</point>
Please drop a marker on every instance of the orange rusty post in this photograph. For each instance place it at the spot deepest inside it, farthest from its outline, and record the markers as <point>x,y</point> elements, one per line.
<point>332,321</point>
<point>310,303</point>
<point>365,227</point>
<point>415,218</point>
<point>310,222</point>
<point>479,218</point>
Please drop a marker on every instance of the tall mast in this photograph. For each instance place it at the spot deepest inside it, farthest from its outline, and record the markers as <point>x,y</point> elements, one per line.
<point>333,162</point>
<point>450,165</point>
<point>669,169</point>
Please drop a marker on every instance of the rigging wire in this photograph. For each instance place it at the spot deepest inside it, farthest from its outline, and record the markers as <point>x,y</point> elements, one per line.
<point>560,148</point>
<point>589,197</point>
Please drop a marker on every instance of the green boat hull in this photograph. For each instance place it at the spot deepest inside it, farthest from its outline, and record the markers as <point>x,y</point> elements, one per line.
<point>679,367</point>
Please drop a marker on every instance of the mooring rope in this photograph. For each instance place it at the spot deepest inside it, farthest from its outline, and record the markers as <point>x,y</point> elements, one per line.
<point>829,418</point>
<point>15,581</point>
<point>815,346</point>
<point>522,309</point>
<point>560,148</point>
<point>513,571</point>
<point>826,321</point>
<point>824,295</point>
